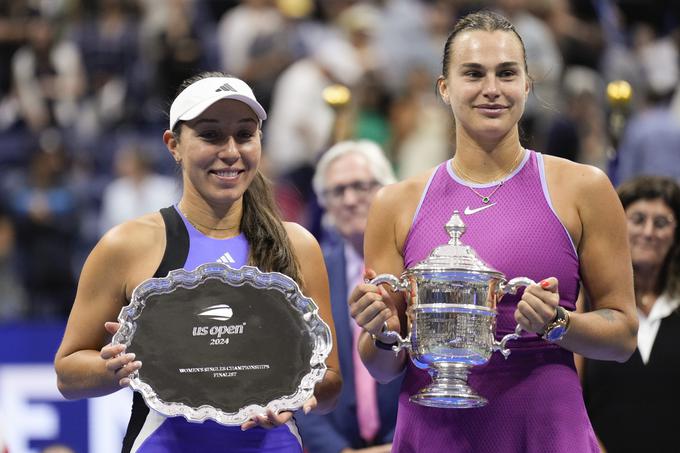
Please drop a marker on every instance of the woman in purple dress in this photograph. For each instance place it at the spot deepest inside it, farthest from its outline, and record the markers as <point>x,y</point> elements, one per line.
<point>555,221</point>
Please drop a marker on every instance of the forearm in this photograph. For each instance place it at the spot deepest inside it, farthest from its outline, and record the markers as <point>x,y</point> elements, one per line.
<point>327,391</point>
<point>83,374</point>
<point>604,334</point>
<point>383,365</point>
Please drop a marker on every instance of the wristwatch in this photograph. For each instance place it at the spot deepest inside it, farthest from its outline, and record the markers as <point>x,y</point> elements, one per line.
<point>556,328</point>
<point>382,345</point>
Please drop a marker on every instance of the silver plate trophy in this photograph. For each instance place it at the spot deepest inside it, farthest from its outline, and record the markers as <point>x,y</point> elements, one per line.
<point>224,344</point>
<point>452,297</point>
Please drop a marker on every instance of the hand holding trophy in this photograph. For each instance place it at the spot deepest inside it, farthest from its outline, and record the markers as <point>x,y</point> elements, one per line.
<point>452,318</point>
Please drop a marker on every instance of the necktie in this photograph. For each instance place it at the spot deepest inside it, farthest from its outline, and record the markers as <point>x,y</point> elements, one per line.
<point>368,416</point>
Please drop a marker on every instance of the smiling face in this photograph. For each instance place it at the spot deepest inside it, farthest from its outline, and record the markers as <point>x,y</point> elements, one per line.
<point>487,84</point>
<point>219,152</point>
<point>651,228</point>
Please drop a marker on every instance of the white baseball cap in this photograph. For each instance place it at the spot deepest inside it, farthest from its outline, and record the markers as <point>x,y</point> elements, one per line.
<point>200,95</point>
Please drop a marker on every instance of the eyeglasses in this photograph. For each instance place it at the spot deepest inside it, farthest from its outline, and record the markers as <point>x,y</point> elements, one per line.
<point>659,222</point>
<point>360,188</point>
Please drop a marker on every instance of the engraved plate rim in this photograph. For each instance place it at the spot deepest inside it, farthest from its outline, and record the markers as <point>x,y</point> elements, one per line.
<point>246,275</point>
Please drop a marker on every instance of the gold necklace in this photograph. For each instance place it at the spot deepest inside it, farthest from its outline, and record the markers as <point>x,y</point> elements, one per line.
<point>487,198</point>
<point>196,224</point>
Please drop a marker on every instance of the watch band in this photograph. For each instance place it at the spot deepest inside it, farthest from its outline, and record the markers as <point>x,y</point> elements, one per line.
<point>382,345</point>
<point>557,327</point>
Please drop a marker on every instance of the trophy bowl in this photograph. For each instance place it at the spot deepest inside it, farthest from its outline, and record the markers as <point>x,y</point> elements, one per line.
<point>451,299</point>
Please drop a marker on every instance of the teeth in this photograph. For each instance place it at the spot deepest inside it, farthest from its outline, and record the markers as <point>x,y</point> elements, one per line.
<point>227,173</point>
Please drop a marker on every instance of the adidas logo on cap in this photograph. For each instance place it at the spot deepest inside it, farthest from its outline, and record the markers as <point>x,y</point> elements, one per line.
<point>225,87</point>
<point>201,94</point>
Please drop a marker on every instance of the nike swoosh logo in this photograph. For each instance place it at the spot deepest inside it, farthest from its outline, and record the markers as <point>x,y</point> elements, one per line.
<point>469,211</point>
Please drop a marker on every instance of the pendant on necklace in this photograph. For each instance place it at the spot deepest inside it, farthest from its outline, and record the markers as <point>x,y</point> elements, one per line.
<point>485,200</point>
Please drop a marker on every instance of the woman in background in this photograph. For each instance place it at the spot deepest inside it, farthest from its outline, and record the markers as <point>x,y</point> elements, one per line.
<point>633,405</point>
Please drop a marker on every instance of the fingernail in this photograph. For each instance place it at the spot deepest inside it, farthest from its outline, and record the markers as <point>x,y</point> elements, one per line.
<point>545,283</point>
<point>130,356</point>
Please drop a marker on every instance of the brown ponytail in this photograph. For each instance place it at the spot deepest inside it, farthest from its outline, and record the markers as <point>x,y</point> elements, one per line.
<point>270,248</point>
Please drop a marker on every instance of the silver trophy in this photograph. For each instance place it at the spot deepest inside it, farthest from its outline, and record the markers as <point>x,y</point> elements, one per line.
<point>452,297</point>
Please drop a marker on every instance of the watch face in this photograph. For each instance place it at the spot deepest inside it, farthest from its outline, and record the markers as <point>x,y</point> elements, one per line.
<point>555,333</point>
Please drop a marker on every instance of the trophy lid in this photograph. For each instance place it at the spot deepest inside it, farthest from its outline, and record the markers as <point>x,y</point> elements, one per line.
<point>454,256</point>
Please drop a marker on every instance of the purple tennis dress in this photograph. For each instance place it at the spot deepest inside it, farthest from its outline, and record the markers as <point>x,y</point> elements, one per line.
<point>535,397</point>
<point>151,432</point>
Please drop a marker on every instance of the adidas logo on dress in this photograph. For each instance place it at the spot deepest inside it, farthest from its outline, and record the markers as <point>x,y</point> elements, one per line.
<point>226,259</point>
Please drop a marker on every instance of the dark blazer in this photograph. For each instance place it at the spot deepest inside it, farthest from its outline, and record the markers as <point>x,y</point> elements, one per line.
<point>332,432</point>
<point>633,406</point>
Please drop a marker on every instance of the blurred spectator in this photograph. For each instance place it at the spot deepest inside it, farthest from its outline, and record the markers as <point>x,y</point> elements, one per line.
<point>138,189</point>
<point>633,405</point>
<point>651,140</point>
<point>301,123</point>
<point>404,41</point>
<point>12,294</point>
<point>108,38</point>
<point>359,23</point>
<point>577,31</point>
<point>579,133</point>
<point>48,77</point>
<point>545,68</point>
<point>256,44</point>
<point>371,107</point>
<point>421,127</point>
<point>14,15</point>
<point>45,213</point>
<point>347,177</point>
<point>173,46</point>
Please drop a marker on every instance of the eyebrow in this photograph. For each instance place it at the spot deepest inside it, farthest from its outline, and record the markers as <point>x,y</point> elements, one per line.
<point>504,65</point>
<point>215,121</point>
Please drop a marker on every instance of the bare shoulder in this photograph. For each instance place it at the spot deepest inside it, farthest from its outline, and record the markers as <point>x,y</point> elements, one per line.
<point>133,249</point>
<point>136,236</point>
<point>575,176</point>
<point>405,192</point>
<point>394,206</point>
<point>309,257</point>
<point>300,237</point>
<point>580,194</point>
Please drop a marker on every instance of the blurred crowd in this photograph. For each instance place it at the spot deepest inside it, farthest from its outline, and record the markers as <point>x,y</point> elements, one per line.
<point>85,88</point>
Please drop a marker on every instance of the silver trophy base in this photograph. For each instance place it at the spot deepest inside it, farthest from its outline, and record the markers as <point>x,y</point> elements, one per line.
<point>449,388</point>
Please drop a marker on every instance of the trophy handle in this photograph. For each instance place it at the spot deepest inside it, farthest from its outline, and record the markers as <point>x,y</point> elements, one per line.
<point>396,285</point>
<point>500,345</point>
<point>391,280</point>
<point>511,287</point>
<point>401,343</point>
<point>514,284</point>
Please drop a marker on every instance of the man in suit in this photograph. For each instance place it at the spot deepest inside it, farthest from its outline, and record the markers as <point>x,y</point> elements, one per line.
<point>347,178</point>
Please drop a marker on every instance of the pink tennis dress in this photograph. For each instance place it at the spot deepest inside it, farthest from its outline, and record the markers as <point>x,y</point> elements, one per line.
<point>535,397</point>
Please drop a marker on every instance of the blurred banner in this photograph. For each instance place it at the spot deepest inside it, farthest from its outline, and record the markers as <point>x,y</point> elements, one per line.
<point>34,415</point>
